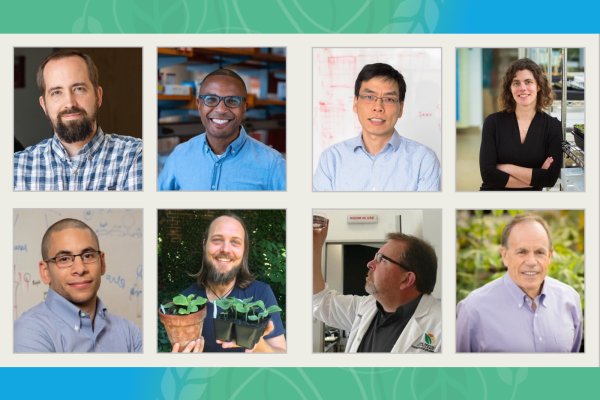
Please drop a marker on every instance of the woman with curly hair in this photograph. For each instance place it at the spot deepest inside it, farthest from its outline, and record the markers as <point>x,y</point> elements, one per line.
<point>521,145</point>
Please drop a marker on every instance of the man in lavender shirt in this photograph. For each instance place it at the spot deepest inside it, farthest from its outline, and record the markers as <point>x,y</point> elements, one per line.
<point>525,311</point>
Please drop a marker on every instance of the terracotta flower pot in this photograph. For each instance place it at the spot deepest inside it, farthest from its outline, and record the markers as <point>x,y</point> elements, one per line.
<point>183,329</point>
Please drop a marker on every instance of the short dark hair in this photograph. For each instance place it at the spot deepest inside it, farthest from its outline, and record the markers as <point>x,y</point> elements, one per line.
<point>67,223</point>
<point>244,278</point>
<point>524,218</point>
<point>92,70</point>
<point>419,256</point>
<point>380,70</point>
<point>545,95</point>
<point>225,72</point>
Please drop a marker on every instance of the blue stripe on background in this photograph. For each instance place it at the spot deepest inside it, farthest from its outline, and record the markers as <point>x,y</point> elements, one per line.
<point>300,383</point>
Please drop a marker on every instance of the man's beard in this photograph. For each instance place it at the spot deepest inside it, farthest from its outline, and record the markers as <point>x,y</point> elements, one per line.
<point>370,286</point>
<point>215,277</point>
<point>77,130</point>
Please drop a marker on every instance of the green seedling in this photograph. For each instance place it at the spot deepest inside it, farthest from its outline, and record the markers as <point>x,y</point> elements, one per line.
<point>264,313</point>
<point>190,304</point>
<point>235,306</point>
<point>231,304</point>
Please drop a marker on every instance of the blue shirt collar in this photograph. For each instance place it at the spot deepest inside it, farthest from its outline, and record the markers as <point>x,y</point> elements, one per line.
<point>358,141</point>
<point>519,295</point>
<point>233,148</point>
<point>69,312</point>
<point>90,148</point>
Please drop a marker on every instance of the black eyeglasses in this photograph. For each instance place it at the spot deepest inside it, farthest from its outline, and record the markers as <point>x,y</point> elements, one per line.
<point>211,100</point>
<point>379,257</point>
<point>370,99</point>
<point>67,260</point>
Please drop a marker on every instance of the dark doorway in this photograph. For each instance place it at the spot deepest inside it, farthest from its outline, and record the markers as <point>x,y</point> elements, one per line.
<point>356,257</point>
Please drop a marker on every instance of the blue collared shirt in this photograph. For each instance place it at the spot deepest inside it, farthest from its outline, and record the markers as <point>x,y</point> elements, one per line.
<point>107,162</point>
<point>402,165</point>
<point>499,317</point>
<point>58,326</point>
<point>247,164</point>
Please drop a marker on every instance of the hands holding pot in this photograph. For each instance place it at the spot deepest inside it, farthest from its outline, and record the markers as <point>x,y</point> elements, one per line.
<point>261,347</point>
<point>195,346</point>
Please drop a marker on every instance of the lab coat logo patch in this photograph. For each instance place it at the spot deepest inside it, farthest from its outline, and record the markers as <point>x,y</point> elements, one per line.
<point>429,338</point>
<point>428,343</point>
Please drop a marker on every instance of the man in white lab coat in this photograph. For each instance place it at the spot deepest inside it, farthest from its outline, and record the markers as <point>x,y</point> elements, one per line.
<point>400,315</point>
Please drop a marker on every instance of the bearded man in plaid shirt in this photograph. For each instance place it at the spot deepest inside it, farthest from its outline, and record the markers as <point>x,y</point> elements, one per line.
<point>79,156</point>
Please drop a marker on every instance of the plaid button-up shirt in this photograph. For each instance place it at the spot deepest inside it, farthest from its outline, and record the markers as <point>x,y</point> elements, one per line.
<point>107,162</point>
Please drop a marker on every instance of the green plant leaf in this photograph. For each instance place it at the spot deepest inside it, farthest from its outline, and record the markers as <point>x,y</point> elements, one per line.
<point>241,308</point>
<point>78,25</point>
<point>198,301</point>
<point>181,300</point>
<point>94,25</point>
<point>273,309</point>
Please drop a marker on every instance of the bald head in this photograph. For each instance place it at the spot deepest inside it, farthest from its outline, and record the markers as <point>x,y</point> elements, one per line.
<point>220,73</point>
<point>67,223</point>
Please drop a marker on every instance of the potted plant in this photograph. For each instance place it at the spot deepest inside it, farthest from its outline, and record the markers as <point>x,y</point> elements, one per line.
<point>222,324</point>
<point>183,319</point>
<point>243,320</point>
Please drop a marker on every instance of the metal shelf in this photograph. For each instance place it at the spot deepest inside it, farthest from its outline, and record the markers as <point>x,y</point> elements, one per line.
<point>574,153</point>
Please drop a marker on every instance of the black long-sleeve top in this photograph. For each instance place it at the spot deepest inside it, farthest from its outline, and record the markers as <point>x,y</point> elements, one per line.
<point>501,144</point>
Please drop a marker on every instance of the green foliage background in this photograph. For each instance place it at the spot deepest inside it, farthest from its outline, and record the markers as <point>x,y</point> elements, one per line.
<point>180,257</point>
<point>478,237</point>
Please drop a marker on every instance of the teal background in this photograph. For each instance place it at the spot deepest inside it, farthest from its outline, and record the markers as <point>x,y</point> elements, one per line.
<point>296,17</point>
<point>301,383</point>
<point>299,16</point>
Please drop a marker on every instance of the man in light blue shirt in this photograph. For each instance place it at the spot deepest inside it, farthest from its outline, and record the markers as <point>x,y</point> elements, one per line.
<point>525,311</point>
<point>72,319</point>
<point>379,158</point>
<point>225,157</point>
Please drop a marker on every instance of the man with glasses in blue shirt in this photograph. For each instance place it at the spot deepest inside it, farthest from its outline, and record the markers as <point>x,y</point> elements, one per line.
<point>400,315</point>
<point>225,157</point>
<point>72,319</point>
<point>378,159</point>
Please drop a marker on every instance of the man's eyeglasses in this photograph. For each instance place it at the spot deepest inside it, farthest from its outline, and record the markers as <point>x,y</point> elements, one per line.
<point>370,99</point>
<point>67,260</point>
<point>379,257</point>
<point>211,100</point>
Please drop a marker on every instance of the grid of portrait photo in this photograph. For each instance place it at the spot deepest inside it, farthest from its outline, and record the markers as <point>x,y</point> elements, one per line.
<point>163,188</point>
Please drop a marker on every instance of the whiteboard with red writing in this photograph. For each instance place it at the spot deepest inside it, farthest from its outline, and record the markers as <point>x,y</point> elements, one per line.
<point>334,74</point>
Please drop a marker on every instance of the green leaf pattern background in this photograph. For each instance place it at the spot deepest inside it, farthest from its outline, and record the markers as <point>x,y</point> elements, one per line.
<point>355,383</point>
<point>243,16</point>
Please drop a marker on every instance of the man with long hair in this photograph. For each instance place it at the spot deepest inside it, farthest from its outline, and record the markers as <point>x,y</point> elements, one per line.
<point>225,273</point>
